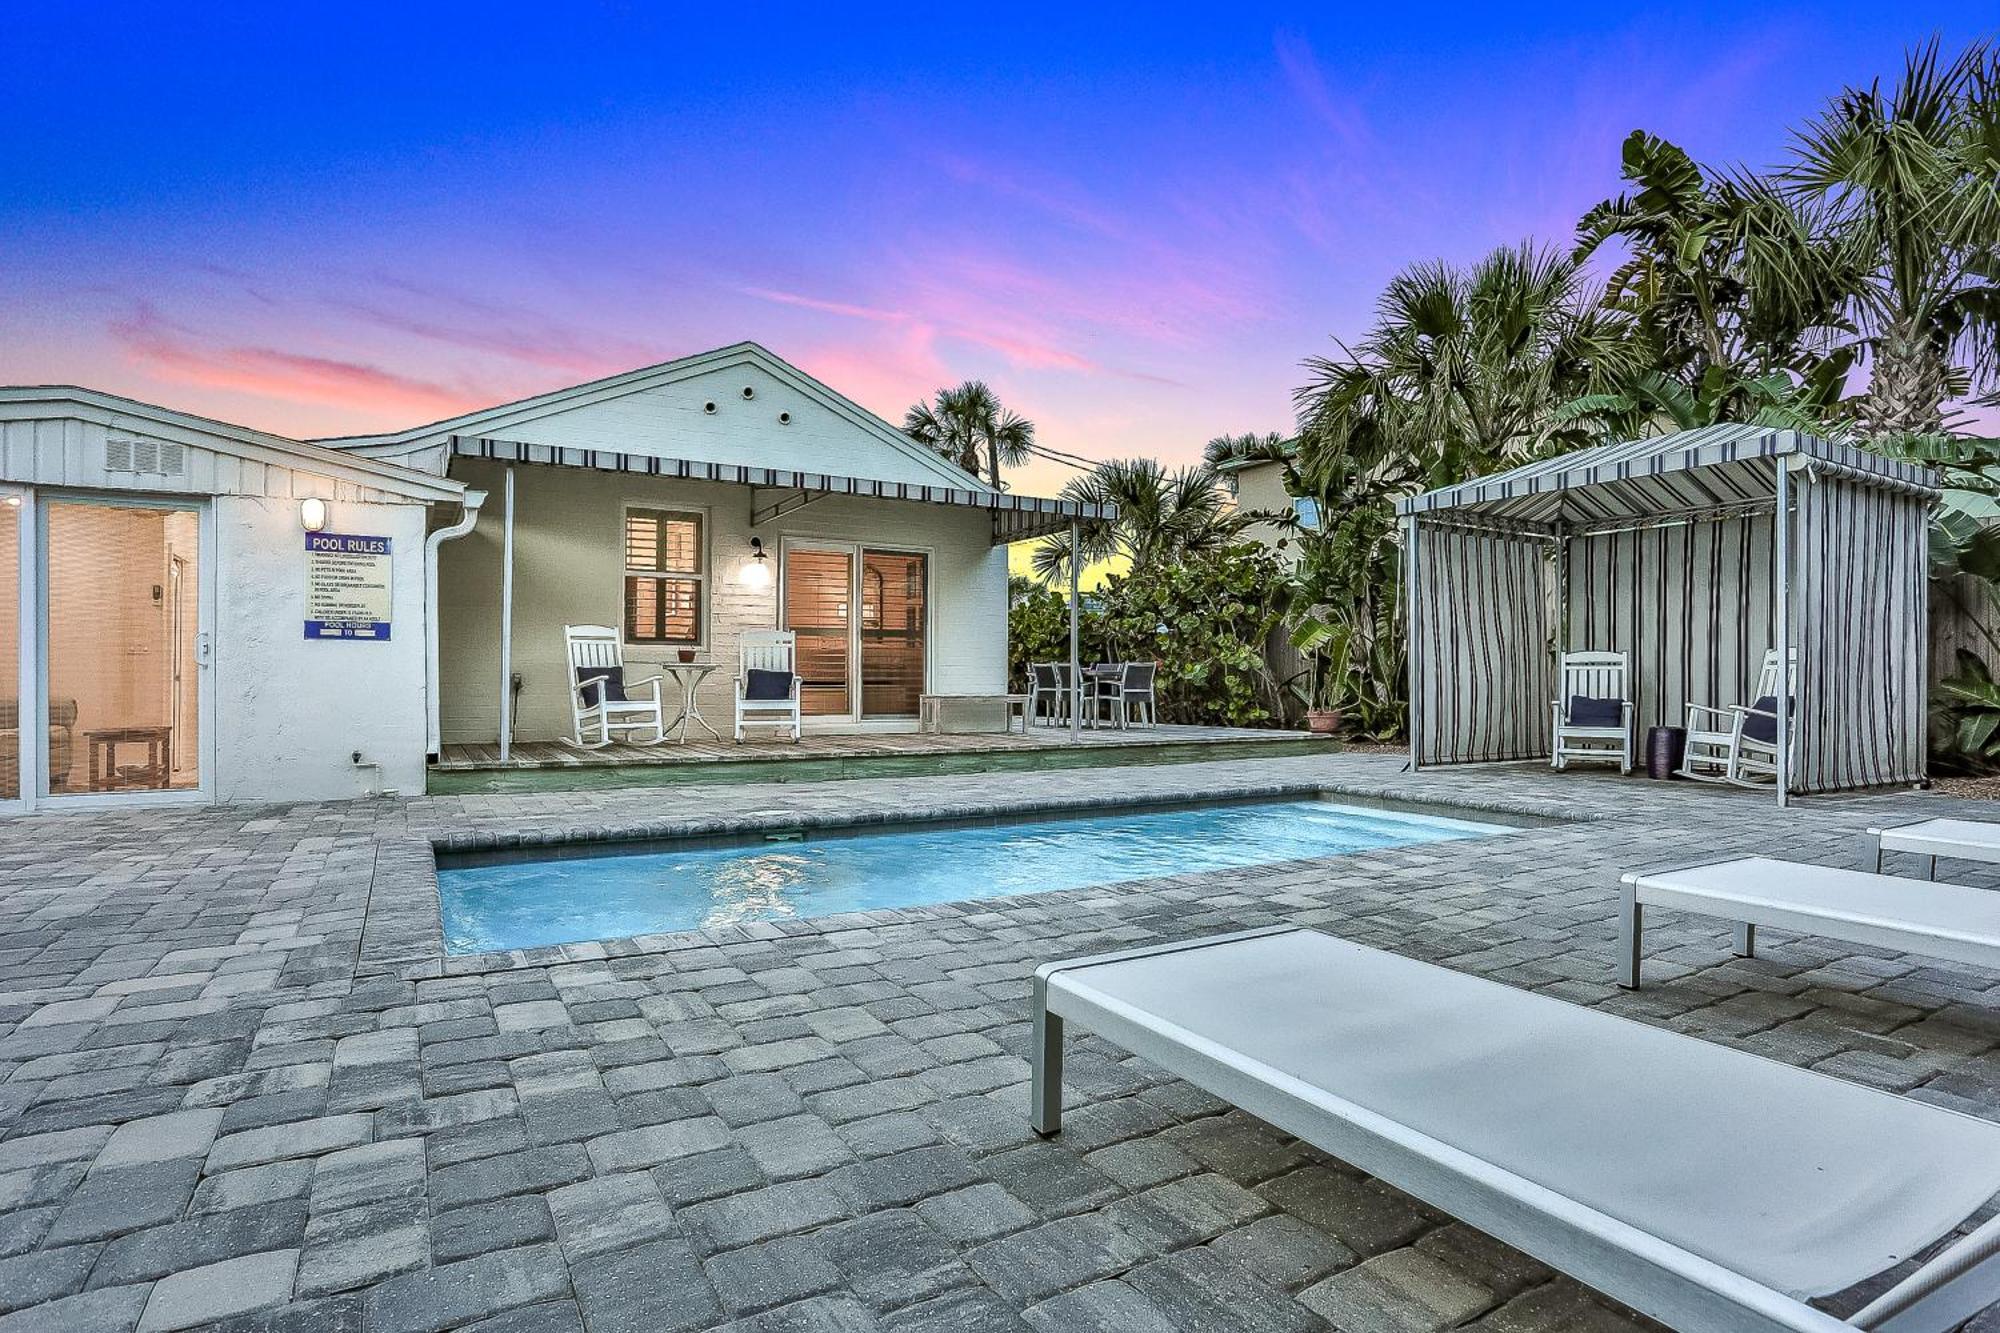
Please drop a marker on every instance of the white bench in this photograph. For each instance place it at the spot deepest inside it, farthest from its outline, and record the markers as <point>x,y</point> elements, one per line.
<point>1948,921</point>
<point>1957,839</point>
<point>1707,1187</point>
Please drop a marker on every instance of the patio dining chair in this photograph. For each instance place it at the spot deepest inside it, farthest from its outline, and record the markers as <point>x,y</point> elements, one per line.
<point>1047,700</point>
<point>1592,712</point>
<point>1129,690</point>
<point>1738,744</point>
<point>601,699</point>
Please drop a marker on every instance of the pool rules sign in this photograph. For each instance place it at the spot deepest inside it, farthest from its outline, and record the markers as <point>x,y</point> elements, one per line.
<point>347,586</point>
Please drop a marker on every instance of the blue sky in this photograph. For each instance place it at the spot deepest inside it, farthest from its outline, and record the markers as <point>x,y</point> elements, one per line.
<point>1134,225</point>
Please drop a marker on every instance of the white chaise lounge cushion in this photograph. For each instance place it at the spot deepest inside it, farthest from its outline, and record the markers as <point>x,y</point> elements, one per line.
<point>1965,839</point>
<point>1801,1182</point>
<point>1939,920</point>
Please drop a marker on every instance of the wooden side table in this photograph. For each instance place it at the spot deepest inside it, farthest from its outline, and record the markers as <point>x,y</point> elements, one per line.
<point>102,765</point>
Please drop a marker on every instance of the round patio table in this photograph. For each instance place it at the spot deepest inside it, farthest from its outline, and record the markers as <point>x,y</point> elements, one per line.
<point>689,676</point>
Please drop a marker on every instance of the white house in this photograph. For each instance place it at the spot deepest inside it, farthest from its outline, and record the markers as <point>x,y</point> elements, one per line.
<point>154,636</point>
<point>196,611</point>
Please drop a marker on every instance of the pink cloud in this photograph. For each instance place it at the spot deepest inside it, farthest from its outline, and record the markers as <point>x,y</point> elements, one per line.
<point>172,352</point>
<point>484,326</point>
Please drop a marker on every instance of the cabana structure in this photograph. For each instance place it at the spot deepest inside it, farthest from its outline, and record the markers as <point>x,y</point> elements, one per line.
<point>1695,553</point>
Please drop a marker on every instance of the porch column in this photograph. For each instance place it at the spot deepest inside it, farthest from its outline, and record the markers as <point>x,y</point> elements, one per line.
<point>1075,675</point>
<point>507,620</point>
<point>1782,528</point>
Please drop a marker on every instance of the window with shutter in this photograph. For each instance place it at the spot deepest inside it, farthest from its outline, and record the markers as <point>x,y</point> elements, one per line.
<point>666,577</point>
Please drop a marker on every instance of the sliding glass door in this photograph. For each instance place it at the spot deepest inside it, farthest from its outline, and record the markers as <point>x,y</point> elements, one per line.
<point>819,601</point>
<point>862,620</point>
<point>123,647</point>
<point>893,609</point>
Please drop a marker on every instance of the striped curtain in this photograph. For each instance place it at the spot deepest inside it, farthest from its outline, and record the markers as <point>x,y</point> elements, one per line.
<point>1860,599</point>
<point>1479,646</point>
<point>1691,604</point>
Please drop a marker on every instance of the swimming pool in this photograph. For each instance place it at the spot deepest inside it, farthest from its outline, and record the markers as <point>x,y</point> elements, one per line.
<point>516,900</point>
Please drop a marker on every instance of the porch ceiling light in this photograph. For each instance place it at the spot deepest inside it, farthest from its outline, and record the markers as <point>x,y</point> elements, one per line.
<point>312,514</point>
<point>756,571</point>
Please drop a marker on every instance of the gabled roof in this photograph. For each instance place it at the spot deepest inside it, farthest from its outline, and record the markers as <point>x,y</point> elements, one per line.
<point>1712,466</point>
<point>112,410</point>
<point>496,422</point>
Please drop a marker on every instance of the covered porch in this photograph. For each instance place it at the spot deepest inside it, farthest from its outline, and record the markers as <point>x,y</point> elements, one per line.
<point>894,590</point>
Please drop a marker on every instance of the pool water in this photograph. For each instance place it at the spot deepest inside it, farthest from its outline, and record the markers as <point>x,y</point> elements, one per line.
<point>523,900</point>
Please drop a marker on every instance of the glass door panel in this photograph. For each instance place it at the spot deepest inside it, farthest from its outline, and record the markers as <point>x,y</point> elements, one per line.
<point>123,623</point>
<point>12,710</point>
<point>892,633</point>
<point>819,589</point>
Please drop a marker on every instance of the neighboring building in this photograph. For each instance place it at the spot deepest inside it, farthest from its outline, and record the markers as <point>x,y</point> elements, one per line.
<point>1259,485</point>
<point>165,634</point>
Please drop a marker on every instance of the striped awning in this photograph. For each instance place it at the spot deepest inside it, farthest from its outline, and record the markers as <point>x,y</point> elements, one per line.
<point>1015,517</point>
<point>1715,467</point>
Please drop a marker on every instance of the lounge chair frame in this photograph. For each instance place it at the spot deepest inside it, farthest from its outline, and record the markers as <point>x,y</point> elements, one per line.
<point>1644,1271</point>
<point>1908,915</point>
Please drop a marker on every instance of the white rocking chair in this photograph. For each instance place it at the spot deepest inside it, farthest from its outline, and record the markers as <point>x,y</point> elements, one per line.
<point>1594,678</point>
<point>767,650</point>
<point>1725,748</point>
<point>596,661</point>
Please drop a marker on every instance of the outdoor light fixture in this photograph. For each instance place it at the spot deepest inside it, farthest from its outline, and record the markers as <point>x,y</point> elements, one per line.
<point>756,572</point>
<point>312,514</point>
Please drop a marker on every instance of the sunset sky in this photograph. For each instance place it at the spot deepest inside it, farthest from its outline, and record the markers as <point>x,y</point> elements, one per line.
<point>1133,226</point>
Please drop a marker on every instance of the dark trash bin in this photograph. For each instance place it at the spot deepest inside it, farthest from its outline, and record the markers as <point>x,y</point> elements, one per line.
<point>1665,747</point>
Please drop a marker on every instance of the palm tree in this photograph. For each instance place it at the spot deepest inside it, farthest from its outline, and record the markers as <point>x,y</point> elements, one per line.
<point>1463,368</point>
<point>1911,180</point>
<point>1227,448</point>
<point>967,425</point>
<point>1732,293</point>
<point>1162,516</point>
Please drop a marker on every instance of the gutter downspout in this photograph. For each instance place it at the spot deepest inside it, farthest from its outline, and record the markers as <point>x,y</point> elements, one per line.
<point>468,515</point>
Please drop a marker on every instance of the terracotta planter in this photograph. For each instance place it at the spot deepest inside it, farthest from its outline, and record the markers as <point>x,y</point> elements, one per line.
<point>686,654</point>
<point>1323,721</point>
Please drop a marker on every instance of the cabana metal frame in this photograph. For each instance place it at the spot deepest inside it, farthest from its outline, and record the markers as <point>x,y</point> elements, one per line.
<point>1695,553</point>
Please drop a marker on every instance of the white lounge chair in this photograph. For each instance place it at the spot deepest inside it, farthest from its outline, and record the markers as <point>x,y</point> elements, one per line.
<point>767,651</point>
<point>1948,921</point>
<point>1737,744</point>
<point>1954,839</point>
<point>1590,681</point>
<point>1707,1187</point>
<point>601,699</point>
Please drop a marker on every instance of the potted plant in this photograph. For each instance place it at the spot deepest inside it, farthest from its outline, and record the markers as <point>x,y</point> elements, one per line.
<point>686,654</point>
<point>1327,647</point>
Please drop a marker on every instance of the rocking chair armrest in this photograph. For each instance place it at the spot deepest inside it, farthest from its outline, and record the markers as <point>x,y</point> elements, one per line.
<point>649,683</point>
<point>1704,708</point>
<point>1745,710</point>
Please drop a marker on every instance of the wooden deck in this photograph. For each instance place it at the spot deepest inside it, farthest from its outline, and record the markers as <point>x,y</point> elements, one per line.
<point>533,755</point>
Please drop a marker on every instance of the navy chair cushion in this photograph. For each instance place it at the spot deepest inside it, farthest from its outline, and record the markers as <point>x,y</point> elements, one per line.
<point>1763,729</point>
<point>1595,712</point>
<point>609,680</point>
<point>767,684</point>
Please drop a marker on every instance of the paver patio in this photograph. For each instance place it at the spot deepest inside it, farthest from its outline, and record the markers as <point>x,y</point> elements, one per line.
<point>240,1088</point>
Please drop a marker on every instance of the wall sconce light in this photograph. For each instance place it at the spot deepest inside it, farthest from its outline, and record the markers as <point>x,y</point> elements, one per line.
<point>312,514</point>
<point>756,571</point>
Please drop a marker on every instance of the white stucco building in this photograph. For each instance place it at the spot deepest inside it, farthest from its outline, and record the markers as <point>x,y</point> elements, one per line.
<point>194,611</point>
